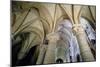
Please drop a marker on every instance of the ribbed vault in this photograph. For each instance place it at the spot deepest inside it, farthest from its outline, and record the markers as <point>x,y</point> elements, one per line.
<point>36,22</point>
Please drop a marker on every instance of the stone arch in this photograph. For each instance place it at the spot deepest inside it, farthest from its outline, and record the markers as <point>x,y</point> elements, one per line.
<point>86,13</point>
<point>67,13</point>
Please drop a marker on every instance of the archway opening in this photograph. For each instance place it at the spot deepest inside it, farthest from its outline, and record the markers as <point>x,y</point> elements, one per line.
<point>59,61</point>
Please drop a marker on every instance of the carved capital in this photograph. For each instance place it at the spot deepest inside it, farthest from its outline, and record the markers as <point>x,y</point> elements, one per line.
<point>53,36</point>
<point>78,29</point>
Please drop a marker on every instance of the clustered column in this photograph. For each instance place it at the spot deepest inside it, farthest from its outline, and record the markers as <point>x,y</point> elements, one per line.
<point>83,44</point>
<point>50,53</point>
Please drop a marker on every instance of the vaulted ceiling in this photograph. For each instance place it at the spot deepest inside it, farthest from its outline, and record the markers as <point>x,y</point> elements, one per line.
<point>42,18</point>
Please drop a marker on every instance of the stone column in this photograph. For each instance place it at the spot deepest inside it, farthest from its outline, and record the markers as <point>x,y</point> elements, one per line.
<point>50,53</point>
<point>83,44</point>
<point>61,52</point>
<point>42,52</point>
